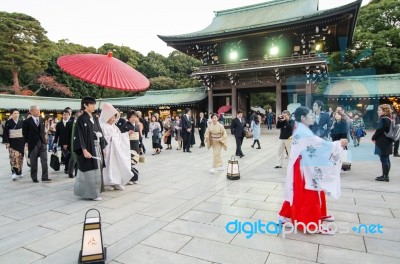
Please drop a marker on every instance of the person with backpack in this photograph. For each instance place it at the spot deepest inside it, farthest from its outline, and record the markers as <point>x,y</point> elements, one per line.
<point>383,144</point>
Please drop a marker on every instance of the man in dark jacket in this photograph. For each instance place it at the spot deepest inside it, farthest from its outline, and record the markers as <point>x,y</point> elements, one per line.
<point>88,145</point>
<point>286,126</point>
<point>237,129</point>
<point>322,120</point>
<point>62,138</point>
<point>187,130</point>
<point>34,135</point>
<point>202,128</point>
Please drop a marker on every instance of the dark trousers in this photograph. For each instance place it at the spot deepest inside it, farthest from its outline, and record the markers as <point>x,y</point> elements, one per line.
<point>39,151</point>
<point>239,141</point>
<point>269,126</point>
<point>187,139</point>
<point>202,139</point>
<point>396,147</point>
<point>72,168</point>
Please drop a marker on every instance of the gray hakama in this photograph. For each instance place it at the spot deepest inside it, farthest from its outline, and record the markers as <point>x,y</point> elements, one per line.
<point>90,184</point>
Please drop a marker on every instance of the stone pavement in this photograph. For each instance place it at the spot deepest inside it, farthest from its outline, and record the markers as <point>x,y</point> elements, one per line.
<point>178,212</point>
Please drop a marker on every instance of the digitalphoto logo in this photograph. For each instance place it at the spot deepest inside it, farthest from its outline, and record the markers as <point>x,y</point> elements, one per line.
<point>273,228</point>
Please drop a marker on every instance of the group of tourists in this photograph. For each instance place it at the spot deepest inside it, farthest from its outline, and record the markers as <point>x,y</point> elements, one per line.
<point>103,151</point>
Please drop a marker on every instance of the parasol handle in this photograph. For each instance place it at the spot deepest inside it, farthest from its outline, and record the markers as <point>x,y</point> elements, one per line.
<point>101,97</point>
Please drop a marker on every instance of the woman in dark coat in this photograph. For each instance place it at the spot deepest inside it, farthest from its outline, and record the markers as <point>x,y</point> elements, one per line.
<point>383,144</point>
<point>339,127</point>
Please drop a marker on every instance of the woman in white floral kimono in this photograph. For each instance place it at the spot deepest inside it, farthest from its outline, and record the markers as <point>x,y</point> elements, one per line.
<point>313,170</point>
<point>117,171</point>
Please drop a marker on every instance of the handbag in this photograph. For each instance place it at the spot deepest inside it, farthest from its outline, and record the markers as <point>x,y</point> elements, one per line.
<point>233,172</point>
<point>248,134</point>
<point>360,132</point>
<point>134,136</point>
<point>346,159</point>
<point>142,158</point>
<point>54,162</point>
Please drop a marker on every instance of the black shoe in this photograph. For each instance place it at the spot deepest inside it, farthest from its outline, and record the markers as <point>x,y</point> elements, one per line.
<point>188,151</point>
<point>66,171</point>
<point>277,167</point>
<point>383,178</point>
<point>241,156</point>
<point>258,148</point>
<point>35,181</point>
<point>71,175</point>
<point>396,155</point>
<point>46,180</point>
<point>252,146</point>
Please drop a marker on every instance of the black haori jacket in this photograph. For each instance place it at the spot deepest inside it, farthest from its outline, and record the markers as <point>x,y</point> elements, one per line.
<point>84,137</point>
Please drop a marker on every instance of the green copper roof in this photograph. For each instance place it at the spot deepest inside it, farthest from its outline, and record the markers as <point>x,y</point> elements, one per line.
<point>150,98</point>
<point>364,86</point>
<point>258,16</point>
<point>162,97</point>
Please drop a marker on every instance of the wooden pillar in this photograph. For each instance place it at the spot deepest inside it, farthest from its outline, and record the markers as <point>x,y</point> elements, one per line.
<point>278,98</point>
<point>309,95</point>
<point>210,102</point>
<point>234,101</point>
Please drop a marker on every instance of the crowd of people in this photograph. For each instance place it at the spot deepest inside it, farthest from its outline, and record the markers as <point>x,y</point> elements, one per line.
<point>102,150</point>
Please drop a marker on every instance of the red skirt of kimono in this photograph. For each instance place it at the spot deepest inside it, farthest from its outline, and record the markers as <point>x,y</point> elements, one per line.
<point>308,206</point>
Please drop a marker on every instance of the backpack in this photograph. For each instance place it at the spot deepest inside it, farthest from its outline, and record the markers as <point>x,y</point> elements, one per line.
<point>394,131</point>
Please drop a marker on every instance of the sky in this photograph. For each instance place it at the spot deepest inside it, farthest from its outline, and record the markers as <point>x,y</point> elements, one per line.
<point>131,23</point>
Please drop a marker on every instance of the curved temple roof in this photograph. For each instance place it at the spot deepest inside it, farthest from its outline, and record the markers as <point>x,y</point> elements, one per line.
<point>259,16</point>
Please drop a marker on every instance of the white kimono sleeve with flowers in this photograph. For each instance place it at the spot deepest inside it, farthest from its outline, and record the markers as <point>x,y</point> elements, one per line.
<point>320,163</point>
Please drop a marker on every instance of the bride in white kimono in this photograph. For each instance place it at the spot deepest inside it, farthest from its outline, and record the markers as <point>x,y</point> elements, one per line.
<point>117,171</point>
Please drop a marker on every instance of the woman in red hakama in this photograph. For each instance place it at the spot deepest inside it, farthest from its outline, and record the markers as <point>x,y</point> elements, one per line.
<point>314,168</point>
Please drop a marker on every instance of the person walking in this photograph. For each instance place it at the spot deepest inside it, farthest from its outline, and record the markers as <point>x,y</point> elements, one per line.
<point>117,157</point>
<point>270,119</point>
<point>62,138</point>
<point>168,132</point>
<point>237,130</point>
<point>178,131</point>
<point>88,145</point>
<point>155,129</point>
<point>285,125</point>
<point>15,144</point>
<point>217,138</point>
<point>256,129</point>
<point>202,125</point>
<point>383,144</point>
<point>33,130</point>
<point>358,129</point>
<point>187,130</point>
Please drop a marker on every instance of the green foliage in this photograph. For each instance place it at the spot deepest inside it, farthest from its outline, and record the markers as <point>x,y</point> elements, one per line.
<point>264,100</point>
<point>23,45</point>
<point>376,40</point>
<point>162,83</point>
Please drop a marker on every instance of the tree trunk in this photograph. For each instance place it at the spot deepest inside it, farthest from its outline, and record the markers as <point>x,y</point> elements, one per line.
<point>16,87</point>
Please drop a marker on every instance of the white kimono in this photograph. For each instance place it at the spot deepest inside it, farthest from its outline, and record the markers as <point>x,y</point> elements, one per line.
<point>117,153</point>
<point>320,164</point>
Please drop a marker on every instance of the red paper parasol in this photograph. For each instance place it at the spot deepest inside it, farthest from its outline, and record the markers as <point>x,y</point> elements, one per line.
<point>104,70</point>
<point>223,109</point>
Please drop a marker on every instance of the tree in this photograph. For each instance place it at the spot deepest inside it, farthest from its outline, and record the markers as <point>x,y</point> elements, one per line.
<point>162,83</point>
<point>376,40</point>
<point>22,41</point>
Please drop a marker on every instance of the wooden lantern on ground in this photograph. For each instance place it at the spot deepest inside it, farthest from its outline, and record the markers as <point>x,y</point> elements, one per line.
<point>233,172</point>
<point>92,249</point>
